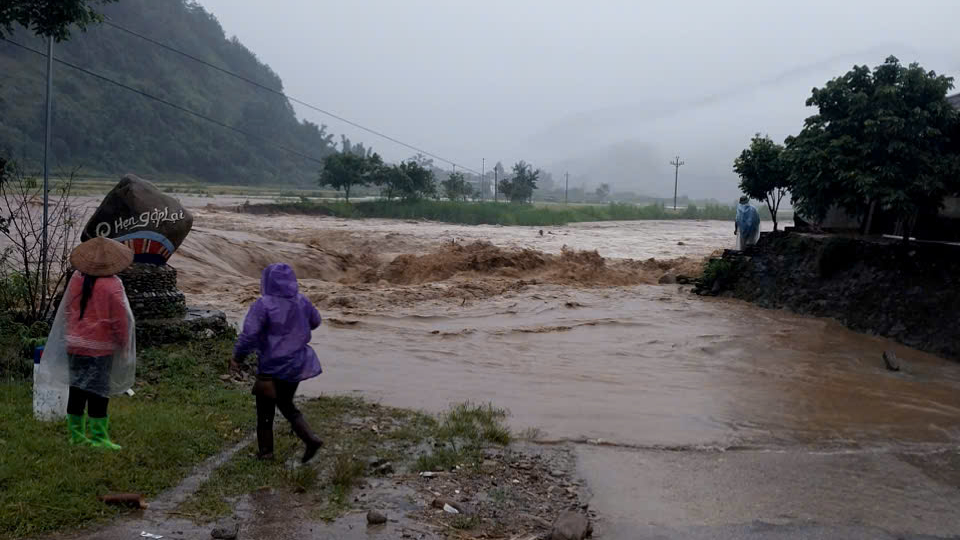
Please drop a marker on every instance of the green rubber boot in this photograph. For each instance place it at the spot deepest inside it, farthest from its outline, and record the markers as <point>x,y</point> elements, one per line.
<point>99,436</point>
<point>77,429</point>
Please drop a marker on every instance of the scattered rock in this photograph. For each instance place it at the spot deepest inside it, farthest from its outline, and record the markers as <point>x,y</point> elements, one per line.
<point>225,377</point>
<point>681,244</point>
<point>571,526</point>
<point>450,509</point>
<point>225,533</point>
<point>556,473</point>
<point>385,469</point>
<point>891,360</point>
<point>667,279</point>
<point>428,474</point>
<point>375,517</point>
<point>442,504</point>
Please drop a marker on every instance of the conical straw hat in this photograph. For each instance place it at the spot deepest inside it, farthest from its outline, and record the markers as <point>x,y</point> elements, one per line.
<point>101,257</point>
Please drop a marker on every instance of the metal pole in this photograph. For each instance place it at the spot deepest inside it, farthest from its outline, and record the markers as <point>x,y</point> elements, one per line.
<point>46,165</point>
<point>676,175</point>
<point>483,176</point>
<point>566,187</point>
<point>676,181</point>
<point>496,182</point>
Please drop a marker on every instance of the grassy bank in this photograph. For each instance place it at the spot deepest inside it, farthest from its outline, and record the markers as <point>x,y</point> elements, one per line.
<point>181,414</point>
<point>489,213</point>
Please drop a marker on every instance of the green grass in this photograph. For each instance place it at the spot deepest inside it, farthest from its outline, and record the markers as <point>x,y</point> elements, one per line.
<point>180,415</point>
<point>490,213</point>
<point>461,435</point>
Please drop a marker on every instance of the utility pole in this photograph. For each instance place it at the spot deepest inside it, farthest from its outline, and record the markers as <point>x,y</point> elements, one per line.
<point>483,176</point>
<point>496,182</point>
<point>566,187</point>
<point>676,175</point>
<point>46,167</point>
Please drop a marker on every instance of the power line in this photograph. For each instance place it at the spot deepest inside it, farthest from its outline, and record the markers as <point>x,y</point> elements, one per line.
<point>165,102</point>
<point>281,93</point>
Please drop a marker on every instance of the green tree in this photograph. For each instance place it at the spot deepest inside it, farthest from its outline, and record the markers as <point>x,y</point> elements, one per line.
<point>763,173</point>
<point>49,18</point>
<point>456,187</point>
<point>882,139</point>
<point>408,181</point>
<point>520,188</point>
<point>345,170</point>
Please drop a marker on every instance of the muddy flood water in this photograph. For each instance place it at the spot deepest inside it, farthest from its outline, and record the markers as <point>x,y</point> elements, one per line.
<point>692,417</point>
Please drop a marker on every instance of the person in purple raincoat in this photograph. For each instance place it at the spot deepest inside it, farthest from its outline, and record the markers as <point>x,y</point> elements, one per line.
<point>278,329</point>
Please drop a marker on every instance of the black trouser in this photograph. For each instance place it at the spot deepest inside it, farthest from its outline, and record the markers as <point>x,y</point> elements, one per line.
<point>80,399</point>
<point>266,406</point>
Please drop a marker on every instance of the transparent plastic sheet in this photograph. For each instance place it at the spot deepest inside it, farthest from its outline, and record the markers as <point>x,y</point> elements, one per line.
<point>747,238</point>
<point>748,225</point>
<point>53,373</point>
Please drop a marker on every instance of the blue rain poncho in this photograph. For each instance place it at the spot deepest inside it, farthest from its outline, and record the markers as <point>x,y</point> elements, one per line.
<point>748,226</point>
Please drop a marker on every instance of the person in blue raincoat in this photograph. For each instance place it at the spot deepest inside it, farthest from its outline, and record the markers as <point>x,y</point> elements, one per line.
<point>747,224</point>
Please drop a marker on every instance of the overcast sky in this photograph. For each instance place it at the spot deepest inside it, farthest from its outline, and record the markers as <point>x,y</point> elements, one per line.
<point>609,90</point>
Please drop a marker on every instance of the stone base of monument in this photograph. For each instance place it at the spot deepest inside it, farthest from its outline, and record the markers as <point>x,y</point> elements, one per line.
<point>195,324</point>
<point>161,311</point>
<point>152,292</point>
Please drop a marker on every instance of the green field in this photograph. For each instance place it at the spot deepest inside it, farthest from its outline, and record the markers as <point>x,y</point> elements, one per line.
<point>490,213</point>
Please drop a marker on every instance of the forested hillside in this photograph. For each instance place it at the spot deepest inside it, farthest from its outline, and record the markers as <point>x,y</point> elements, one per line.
<point>108,130</point>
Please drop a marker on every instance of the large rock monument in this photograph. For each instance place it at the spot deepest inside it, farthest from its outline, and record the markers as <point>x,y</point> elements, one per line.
<point>153,225</point>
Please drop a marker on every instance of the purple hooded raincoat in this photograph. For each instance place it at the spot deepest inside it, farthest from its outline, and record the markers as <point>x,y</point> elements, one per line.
<point>278,328</point>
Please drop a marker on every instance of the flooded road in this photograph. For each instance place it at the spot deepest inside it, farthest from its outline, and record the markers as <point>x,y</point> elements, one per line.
<point>697,417</point>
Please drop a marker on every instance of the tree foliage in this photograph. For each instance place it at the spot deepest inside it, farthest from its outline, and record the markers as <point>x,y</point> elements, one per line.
<point>109,130</point>
<point>885,137</point>
<point>31,272</point>
<point>520,188</point>
<point>49,18</point>
<point>763,173</point>
<point>456,187</point>
<point>345,170</point>
<point>411,181</point>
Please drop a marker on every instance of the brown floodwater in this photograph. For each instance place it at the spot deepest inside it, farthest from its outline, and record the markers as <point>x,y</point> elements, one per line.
<point>647,366</point>
<point>642,365</point>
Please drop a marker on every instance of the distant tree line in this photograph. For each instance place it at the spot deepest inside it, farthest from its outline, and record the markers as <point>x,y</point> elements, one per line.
<point>883,140</point>
<point>416,178</point>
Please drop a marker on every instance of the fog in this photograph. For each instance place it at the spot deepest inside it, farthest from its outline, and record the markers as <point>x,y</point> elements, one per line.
<point>610,91</point>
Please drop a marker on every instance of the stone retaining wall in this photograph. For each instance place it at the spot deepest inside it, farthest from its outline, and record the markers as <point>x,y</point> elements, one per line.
<point>910,293</point>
